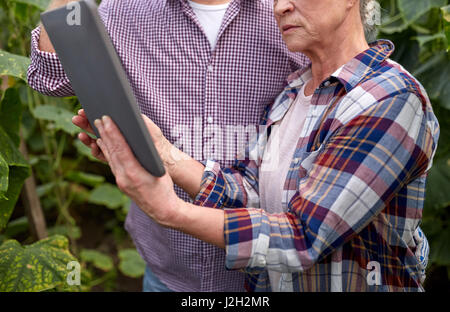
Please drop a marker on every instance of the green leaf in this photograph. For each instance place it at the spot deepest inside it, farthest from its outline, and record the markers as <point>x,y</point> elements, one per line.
<point>85,178</point>
<point>434,76</point>
<point>18,171</point>
<point>108,195</point>
<point>17,176</point>
<point>440,250</point>
<point>438,196</point>
<point>393,25</point>
<point>17,226</point>
<point>71,231</point>
<point>446,13</point>
<point>131,263</point>
<point>4,173</point>
<point>44,189</point>
<point>13,65</point>
<point>98,259</point>
<point>61,117</point>
<point>21,12</point>
<point>414,9</point>
<point>426,39</point>
<point>446,16</point>
<point>11,114</point>
<point>9,151</point>
<point>84,150</point>
<point>37,267</point>
<point>40,4</point>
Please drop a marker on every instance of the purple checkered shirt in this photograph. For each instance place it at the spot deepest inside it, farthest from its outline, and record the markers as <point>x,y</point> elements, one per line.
<point>184,86</point>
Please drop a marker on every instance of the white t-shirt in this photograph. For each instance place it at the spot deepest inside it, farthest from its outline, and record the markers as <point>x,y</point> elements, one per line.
<point>210,17</point>
<point>272,173</point>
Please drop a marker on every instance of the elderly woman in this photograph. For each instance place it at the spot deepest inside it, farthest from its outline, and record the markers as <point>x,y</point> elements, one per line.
<point>354,136</point>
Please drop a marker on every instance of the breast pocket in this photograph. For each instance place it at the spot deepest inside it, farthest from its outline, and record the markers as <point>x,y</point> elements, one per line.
<point>308,160</point>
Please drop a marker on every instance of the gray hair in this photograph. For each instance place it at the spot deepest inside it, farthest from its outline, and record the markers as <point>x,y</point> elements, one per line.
<point>369,10</point>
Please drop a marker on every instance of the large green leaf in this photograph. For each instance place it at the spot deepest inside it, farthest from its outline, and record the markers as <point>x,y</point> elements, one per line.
<point>61,117</point>
<point>13,65</point>
<point>98,259</point>
<point>414,9</point>
<point>4,173</point>
<point>17,176</point>
<point>131,263</point>
<point>41,4</point>
<point>9,151</point>
<point>37,267</point>
<point>11,114</point>
<point>108,195</point>
<point>18,170</point>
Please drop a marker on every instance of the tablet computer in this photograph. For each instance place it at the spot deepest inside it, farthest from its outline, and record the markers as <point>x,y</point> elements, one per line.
<point>97,76</point>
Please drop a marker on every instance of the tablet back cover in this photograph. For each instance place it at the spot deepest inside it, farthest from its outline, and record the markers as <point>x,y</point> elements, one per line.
<point>97,76</point>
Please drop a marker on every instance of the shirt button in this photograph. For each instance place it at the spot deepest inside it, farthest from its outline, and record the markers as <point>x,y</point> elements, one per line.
<point>327,83</point>
<point>210,119</point>
<point>210,68</point>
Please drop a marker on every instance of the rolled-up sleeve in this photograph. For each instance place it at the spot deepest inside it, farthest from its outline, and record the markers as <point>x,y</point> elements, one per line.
<point>45,73</point>
<point>233,187</point>
<point>357,172</point>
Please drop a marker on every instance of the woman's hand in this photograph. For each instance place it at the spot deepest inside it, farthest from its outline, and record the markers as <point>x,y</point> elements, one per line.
<point>156,196</point>
<point>153,195</point>
<point>185,171</point>
<point>169,154</point>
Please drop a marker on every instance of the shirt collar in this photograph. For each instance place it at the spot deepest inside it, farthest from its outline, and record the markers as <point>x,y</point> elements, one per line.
<point>351,73</point>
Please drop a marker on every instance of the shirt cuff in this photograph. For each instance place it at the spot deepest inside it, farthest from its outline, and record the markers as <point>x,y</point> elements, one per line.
<point>246,234</point>
<point>46,62</point>
<point>212,188</point>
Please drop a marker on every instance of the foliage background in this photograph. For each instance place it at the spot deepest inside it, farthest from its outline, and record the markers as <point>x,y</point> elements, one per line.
<point>85,211</point>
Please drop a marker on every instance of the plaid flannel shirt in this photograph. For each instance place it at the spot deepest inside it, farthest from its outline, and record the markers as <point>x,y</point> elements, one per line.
<point>354,193</point>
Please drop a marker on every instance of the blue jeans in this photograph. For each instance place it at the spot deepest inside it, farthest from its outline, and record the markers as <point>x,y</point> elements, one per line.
<point>152,283</point>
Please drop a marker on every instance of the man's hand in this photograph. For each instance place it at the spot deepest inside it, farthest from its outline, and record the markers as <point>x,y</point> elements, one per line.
<point>81,121</point>
<point>168,153</point>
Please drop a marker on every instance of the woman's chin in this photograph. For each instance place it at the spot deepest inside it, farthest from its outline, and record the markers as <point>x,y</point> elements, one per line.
<point>297,46</point>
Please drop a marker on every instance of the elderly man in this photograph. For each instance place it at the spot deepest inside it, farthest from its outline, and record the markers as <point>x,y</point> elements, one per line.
<point>340,209</point>
<point>193,65</point>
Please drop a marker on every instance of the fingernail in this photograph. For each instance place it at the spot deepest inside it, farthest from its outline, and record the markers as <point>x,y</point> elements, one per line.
<point>105,119</point>
<point>97,123</point>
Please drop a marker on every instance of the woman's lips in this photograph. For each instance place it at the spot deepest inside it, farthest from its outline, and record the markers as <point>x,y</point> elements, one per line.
<point>289,28</point>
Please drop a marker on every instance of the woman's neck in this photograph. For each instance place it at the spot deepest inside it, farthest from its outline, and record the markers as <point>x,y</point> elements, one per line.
<point>329,56</point>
